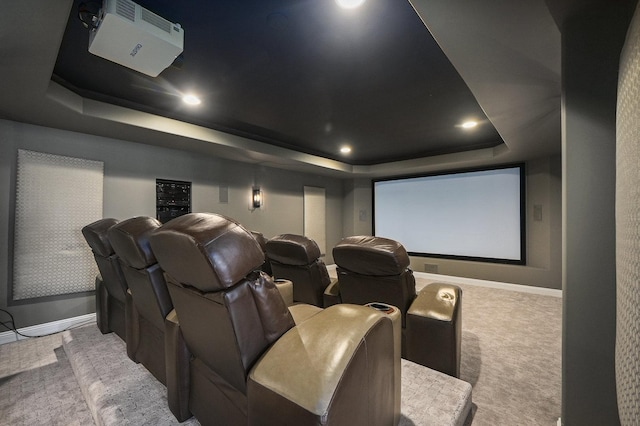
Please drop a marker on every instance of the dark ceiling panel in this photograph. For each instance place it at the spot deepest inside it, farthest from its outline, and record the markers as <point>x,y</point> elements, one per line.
<point>304,75</point>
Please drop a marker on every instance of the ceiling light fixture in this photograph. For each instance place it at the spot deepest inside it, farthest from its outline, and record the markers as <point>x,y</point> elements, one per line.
<point>349,4</point>
<point>345,149</point>
<point>469,124</point>
<point>191,100</point>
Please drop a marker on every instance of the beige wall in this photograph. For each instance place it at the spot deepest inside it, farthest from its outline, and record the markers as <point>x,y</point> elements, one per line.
<point>591,44</point>
<point>544,238</point>
<point>130,171</point>
<point>357,207</point>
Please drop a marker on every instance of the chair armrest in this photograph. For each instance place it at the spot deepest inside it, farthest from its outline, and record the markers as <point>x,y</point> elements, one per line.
<point>337,367</point>
<point>438,301</point>
<point>286,290</point>
<point>302,312</point>
<point>177,357</point>
<point>331,294</point>
<point>434,328</point>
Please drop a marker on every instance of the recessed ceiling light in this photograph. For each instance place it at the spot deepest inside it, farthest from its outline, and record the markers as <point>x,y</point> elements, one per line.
<point>191,100</point>
<point>350,4</point>
<point>345,149</point>
<point>469,124</point>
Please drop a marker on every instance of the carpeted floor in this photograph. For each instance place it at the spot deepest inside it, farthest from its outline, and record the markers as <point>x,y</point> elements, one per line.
<point>120,392</point>
<point>37,385</point>
<point>511,352</point>
<point>511,355</point>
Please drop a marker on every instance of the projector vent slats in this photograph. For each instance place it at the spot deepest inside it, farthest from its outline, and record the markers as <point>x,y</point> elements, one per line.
<point>126,9</point>
<point>156,20</point>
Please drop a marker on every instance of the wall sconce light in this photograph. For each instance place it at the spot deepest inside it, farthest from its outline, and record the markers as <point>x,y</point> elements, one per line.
<point>257,198</point>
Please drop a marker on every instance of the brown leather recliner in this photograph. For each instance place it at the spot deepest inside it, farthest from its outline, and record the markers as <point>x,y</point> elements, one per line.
<point>148,301</point>
<point>376,269</point>
<point>260,238</point>
<point>111,287</point>
<point>246,362</point>
<point>296,258</point>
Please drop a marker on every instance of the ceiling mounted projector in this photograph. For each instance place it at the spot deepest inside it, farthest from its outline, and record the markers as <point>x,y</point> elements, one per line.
<point>132,36</point>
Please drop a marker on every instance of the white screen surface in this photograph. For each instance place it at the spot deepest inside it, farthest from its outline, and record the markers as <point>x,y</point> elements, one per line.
<point>469,214</point>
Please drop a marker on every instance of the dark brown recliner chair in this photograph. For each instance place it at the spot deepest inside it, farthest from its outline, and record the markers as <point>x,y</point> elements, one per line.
<point>296,258</point>
<point>260,238</point>
<point>376,269</point>
<point>246,362</point>
<point>111,287</point>
<point>148,300</point>
<point>285,286</point>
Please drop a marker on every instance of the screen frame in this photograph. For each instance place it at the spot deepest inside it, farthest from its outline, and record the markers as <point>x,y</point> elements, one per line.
<point>523,224</point>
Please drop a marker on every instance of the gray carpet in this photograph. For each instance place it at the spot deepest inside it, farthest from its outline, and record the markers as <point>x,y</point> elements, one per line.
<point>120,392</point>
<point>37,385</point>
<point>511,352</point>
<point>117,390</point>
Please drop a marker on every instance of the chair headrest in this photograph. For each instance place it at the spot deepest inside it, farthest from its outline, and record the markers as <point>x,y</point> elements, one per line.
<point>96,235</point>
<point>206,251</point>
<point>293,249</point>
<point>376,256</point>
<point>260,239</point>
<point>130,240</point>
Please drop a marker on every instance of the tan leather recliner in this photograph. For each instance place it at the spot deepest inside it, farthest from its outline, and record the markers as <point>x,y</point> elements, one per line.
<point>246,361</point>
<point>297,258</point>
<point>111,287</point>
<point>376,269</point>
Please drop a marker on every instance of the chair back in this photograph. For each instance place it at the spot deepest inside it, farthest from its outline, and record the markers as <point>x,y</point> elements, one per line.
<point>260,238</point>
<point>96,235</point>
<point>297,258</point>
<point>150,302</point>
<point>130,240</point>
<point>229,311</point>
<point>374,269</point>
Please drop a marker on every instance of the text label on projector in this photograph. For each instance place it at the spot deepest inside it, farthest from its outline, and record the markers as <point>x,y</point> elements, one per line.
<point>135,50</point>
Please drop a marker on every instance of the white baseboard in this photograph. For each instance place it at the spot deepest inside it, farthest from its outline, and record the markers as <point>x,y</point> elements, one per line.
<point>491,284</point>
<point>47,328</point>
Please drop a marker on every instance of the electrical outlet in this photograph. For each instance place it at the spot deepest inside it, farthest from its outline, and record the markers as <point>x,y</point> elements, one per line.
<point>537,212</point>
<point>431,268</point>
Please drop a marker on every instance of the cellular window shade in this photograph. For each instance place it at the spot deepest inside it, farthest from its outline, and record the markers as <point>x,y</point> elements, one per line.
<point>55,197</point>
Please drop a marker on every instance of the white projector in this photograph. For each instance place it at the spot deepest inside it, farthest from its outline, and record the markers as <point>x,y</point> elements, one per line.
<point>135,37</point>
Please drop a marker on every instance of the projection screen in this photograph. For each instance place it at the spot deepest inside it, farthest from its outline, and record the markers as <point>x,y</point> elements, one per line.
<point>472,215</point>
